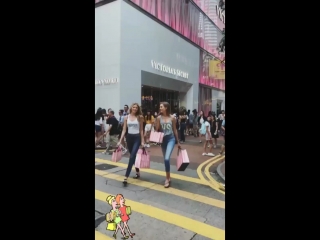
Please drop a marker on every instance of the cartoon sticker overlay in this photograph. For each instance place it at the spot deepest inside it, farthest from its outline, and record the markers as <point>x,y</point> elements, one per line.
<point>117,215</point>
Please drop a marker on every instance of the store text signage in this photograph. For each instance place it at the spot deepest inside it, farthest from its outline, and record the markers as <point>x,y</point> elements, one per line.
<point>163,68</point>
<point>102,82</point>
<point>220,14</point>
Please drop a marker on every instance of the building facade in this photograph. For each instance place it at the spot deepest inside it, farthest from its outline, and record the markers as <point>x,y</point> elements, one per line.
<point>140,58</point>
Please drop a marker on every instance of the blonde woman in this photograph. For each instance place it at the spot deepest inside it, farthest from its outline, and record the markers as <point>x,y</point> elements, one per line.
<point>135,137</point>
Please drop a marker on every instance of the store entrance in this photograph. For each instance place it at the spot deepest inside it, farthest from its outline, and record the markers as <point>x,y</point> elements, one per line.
<point>151,98</point>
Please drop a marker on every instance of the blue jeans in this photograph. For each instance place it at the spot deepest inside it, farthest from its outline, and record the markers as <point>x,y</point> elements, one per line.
<point>133,144</point>
<point>167,146</point>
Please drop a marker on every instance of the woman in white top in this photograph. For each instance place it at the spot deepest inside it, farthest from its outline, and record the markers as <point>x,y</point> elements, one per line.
<point>98,126</point>
<point>201,121</point>
<point>221,118</point>
<point>208,140</point>
<point>135,137</point>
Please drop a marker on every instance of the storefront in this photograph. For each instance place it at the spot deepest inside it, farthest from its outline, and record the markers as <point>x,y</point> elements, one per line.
<point>151,98</point>
<point>150,62</point>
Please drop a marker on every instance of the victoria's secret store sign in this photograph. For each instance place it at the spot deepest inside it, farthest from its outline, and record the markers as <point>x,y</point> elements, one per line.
<point>164,68</point>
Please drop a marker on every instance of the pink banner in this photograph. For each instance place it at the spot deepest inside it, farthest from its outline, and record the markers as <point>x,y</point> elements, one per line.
<point>186,19</point>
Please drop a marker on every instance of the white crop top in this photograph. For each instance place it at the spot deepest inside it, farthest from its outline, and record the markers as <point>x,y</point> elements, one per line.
<point>98,122</point>
<point>133,126</point>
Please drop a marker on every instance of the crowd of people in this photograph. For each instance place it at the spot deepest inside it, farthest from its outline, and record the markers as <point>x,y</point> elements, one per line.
<point>133,126</point>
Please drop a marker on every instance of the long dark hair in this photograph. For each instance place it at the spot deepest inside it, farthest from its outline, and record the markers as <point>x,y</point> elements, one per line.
<point>148,117</point>
<point>99,114</point>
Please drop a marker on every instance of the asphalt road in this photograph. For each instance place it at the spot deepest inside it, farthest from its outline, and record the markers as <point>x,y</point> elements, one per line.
<point>192,208</point>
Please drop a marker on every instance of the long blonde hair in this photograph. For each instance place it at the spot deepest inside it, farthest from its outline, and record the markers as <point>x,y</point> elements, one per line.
<point>139,112</point>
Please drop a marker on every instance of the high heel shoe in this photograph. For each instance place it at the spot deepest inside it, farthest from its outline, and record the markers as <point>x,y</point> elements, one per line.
<point>167,183</point>
<point>132,234</point>
<point>137,176</point>
<point>125,182</point>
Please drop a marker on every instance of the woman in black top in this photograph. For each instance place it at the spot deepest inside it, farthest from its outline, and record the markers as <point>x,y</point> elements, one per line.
<point>214,129</point>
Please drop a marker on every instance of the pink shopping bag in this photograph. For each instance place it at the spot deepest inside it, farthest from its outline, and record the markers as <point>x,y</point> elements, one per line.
<point>142,159</point>
<point>117,155</point>
<point>182,160</point>
<point>156,137</point>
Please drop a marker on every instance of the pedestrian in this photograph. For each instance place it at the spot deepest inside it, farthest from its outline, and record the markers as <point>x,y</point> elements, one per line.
<point>166,123</point>
<point>201,121</point>
<point>214,128</point>
<point>208,138</point>
<point>126,110</point>
<point>104,123</point>
<point>112,130</point>
<point>195,123</point>
<point>98,126</point>
<point>120,127</point>
<point>149,120</point>
<point>135,138</point>
<point>182,121</point>
<point>191,118</point>
<point>223,132</point>
<point>221,118</point>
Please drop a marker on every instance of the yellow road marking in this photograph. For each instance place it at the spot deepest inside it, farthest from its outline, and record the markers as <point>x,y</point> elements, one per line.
<point>100,236</point>
<point>202,178</point>
<point>160,188</point>
<point>206,172</point>
<point>181,221</point>
<point>156,172</point>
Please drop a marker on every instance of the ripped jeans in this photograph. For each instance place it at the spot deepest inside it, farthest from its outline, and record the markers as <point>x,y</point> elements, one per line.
<point>167,146</point>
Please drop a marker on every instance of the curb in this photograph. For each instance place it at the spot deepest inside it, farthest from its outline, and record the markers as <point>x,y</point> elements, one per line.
<point>98,220</point>
<point>219,171</point>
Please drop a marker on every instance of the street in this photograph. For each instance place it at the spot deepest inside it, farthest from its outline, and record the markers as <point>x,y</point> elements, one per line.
<point>192,208</point>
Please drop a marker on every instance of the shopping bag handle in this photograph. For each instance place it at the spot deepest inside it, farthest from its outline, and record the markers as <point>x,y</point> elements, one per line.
<point>144,151</point>
<point>179,150</point>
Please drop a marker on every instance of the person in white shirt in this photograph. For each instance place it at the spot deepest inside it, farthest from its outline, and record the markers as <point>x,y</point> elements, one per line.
<point>221,118</point>
<point>126,110</point>
<point>98,127</point>
<point>208,138</point>
<point>135,137</point>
